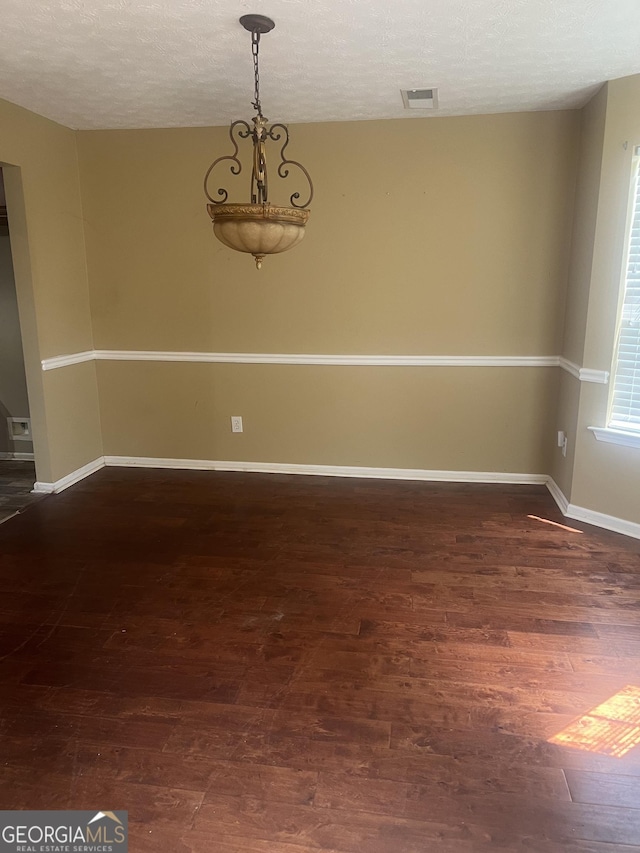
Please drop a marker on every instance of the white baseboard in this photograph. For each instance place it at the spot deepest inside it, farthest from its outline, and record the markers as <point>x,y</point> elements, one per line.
<point>16,457</point>
<point>590,516</point>
<point>558,495</point>
<point>327,470</point>
<point>40,488</point>
<point>598,519</point>
<point>601,519</point>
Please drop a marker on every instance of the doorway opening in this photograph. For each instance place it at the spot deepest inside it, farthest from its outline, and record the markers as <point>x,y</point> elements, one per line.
<point>17,468</point>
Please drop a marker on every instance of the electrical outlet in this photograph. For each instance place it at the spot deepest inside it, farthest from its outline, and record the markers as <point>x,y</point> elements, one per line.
<point>561,438</point>
<point>564,446</point>
<point>236,423</point>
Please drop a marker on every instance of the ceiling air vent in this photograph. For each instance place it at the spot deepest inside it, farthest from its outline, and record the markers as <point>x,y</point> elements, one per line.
<point>420,99</point>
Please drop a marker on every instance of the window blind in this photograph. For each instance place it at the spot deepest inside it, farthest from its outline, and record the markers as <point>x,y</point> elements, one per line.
<point>625,409</point>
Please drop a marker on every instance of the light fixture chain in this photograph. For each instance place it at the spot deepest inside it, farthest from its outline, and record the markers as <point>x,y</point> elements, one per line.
<point>257,226</point>
<point>255,49</point>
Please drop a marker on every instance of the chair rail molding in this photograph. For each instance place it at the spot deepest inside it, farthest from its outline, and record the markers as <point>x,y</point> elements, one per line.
<point>350,359</point>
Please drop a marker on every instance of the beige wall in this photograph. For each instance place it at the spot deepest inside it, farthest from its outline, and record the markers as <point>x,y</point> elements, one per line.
<point>607,477</point>
<point>447,236</point>
<point>440,236</point>
<point>565,420</point>
<point>395,417</point>
<point>592,127</point>
<point>46,226</point>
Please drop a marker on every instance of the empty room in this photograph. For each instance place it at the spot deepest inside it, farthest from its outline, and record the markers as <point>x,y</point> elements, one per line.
<point>320,426</point>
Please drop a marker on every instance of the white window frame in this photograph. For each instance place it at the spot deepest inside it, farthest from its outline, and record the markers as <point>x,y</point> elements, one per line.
<point>615,432</point>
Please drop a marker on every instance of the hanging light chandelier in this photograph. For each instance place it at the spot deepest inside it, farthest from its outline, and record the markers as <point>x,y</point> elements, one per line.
<point>257,226</point>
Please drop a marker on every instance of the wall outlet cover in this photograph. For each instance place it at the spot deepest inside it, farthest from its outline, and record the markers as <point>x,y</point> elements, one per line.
<point>19,429</point>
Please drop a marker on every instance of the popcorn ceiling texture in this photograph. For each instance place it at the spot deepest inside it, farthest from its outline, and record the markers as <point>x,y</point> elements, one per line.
<point>174,63</point>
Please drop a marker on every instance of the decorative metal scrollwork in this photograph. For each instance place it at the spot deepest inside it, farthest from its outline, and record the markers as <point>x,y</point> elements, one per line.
<point>283,169</point>
<point>236,166</point>
<point>257,226</point>
<point>259,180</point>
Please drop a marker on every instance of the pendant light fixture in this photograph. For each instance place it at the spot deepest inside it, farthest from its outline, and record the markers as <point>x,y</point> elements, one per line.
<point>257,226</point>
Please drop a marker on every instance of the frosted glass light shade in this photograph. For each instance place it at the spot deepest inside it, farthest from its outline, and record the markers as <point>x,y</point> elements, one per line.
<point>258,229</point>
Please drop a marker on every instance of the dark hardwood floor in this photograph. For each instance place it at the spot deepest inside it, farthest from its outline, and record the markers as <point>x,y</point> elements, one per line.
<point>270,664</point>
<point>16,482</point>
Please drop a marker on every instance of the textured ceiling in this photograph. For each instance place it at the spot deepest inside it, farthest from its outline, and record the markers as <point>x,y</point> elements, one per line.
<point>168,63</point>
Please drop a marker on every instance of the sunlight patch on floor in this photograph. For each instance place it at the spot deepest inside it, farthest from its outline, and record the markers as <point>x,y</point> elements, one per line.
<point>612,728</point>
<point>555,524</point>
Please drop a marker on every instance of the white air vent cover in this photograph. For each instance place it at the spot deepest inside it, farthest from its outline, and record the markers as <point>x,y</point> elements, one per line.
<point>420,99</point>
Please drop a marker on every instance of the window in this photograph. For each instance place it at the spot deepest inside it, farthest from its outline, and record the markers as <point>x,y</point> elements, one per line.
<point>625,402</point>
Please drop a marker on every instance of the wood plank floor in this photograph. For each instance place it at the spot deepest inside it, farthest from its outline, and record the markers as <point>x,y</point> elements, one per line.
<point>270,664</point>
<point>16,481</point>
